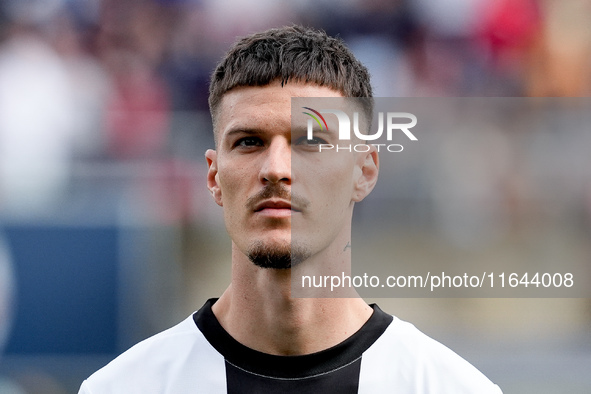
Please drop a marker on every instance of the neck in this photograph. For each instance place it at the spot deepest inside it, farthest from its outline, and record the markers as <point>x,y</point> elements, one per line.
<point>259,312</point>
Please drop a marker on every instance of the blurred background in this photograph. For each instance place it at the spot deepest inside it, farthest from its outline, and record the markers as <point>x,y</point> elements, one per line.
<point>108,234</point>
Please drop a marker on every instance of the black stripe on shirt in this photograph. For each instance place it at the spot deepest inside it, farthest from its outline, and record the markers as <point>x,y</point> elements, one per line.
<point>344,380</point>
<point>335,358</point>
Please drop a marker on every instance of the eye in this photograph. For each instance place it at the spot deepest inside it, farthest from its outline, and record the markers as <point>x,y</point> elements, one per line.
<point>247,142</point>
<point>315,141</point>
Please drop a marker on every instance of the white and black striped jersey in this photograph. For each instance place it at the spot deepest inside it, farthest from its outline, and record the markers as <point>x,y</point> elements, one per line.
<point>386,355</point>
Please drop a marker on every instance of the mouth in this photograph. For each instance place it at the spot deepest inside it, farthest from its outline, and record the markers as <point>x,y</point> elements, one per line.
<point>277,208</point>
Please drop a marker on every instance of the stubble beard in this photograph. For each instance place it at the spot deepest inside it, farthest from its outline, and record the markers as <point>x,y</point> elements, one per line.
<point>283,256</point>
<point>277,256</point>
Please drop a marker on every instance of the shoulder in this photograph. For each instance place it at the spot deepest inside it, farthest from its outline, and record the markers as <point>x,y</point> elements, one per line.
<point>155,362</point>
<point>419,364</point>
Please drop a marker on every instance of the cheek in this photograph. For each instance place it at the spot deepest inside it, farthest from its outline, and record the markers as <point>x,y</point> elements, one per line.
<point>332,191</point>
<point>326,169</point>
<point>338,179</point>
<point>231,200</point>
<point>228,193</point>
<point>231,179</point>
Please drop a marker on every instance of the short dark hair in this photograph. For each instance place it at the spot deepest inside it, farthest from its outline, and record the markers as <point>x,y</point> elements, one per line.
<point>290,53</point>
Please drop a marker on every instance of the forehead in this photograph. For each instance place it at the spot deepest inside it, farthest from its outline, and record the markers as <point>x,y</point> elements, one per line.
<point>269,105</point>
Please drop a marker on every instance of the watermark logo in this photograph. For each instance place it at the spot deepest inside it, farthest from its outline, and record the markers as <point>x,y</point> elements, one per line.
<point>393,124</point>
<point>316,119</point>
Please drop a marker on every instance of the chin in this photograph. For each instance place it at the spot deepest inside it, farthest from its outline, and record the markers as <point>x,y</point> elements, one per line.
<point>276,255</point>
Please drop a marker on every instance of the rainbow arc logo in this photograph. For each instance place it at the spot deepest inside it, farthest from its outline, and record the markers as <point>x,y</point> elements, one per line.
<point>315,118</point>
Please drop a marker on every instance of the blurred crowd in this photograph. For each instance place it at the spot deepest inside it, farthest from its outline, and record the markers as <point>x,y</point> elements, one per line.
<point>126,80</point>
<point>104,116</point>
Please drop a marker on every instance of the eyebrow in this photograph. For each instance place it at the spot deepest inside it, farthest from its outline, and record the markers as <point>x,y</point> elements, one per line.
<point>298,130</point>
<point>304,130</point>
<point>241,130</point>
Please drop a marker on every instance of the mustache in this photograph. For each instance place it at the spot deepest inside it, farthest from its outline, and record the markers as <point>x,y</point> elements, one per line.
<point>274,190</point>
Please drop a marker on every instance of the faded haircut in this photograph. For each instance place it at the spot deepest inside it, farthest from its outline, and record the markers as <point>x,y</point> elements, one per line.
<point>295,53</point>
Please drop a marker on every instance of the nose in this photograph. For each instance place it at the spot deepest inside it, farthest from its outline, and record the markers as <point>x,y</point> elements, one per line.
<point>276,166</point>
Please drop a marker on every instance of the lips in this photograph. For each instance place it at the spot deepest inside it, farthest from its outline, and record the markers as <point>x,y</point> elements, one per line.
<point>274,205</point>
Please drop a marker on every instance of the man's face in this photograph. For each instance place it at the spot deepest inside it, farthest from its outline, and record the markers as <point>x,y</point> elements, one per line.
<point>280,194</point>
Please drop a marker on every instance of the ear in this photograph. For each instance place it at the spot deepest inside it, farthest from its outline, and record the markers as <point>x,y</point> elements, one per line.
<point>368,165</point>
<point>213,182</point>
